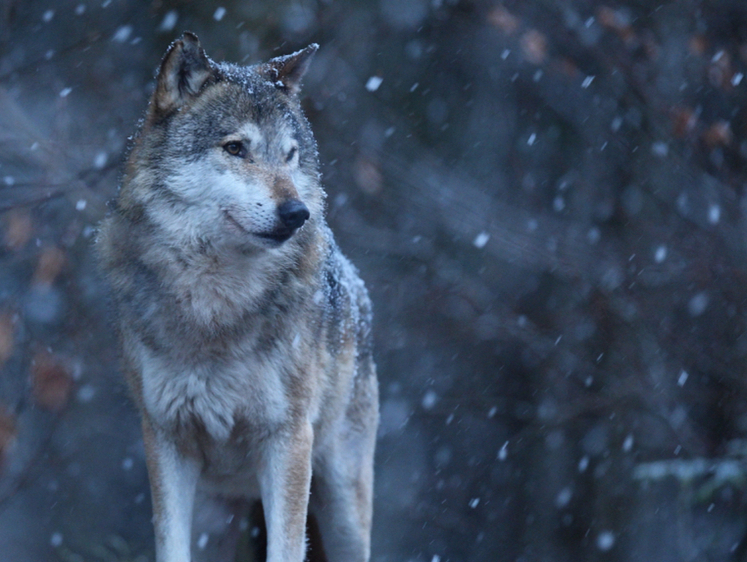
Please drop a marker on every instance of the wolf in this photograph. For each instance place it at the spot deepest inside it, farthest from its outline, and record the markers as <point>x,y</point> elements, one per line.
<point>245,333</point>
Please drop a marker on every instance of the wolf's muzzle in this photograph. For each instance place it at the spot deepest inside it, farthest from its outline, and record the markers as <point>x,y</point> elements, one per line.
<point>293,214</point>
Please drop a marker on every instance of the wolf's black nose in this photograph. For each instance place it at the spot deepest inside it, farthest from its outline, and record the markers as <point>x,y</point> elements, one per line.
<point>293,213</point>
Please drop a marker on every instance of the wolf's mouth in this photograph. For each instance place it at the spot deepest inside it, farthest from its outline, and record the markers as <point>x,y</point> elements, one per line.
<point>279,236</point>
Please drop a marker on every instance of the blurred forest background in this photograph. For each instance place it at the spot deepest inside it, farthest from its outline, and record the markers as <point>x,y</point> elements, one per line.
<point>547,200</point>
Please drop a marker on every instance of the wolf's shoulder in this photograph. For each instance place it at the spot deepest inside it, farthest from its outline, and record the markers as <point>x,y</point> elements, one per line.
<point>346,297</point>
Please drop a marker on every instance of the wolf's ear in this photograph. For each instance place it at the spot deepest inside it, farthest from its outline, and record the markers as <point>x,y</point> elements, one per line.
<point>286,72</point>
<point>184,70</point>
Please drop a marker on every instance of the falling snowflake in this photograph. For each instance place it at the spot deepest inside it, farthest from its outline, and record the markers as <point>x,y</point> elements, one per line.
<point>169,21</point>
<point>605,540</point>
<point>503,453</point>
<point>202,541</point>
<point>122,34</point>
<point>480,240</point>
<point>373,83</point>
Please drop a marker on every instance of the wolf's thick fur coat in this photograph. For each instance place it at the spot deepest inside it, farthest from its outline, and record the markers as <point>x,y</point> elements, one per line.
<point>245,332</point>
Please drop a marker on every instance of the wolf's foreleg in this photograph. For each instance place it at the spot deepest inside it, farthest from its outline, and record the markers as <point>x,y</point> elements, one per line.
<point>173,482</point>
<point>285,479</point>
<point>342,498</point>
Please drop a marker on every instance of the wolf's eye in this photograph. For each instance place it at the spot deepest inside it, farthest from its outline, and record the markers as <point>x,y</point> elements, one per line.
<point>291,154</point>
<point>235,148</point>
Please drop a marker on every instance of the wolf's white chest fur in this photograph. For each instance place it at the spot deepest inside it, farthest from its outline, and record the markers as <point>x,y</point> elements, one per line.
<point>215,396</point>
<point>215,393</point>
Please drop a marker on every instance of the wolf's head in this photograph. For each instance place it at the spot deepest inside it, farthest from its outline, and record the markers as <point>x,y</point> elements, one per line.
<point>225,156</point>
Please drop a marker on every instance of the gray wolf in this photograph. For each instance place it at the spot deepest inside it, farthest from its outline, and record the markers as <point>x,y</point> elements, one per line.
<point>245,332</point>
